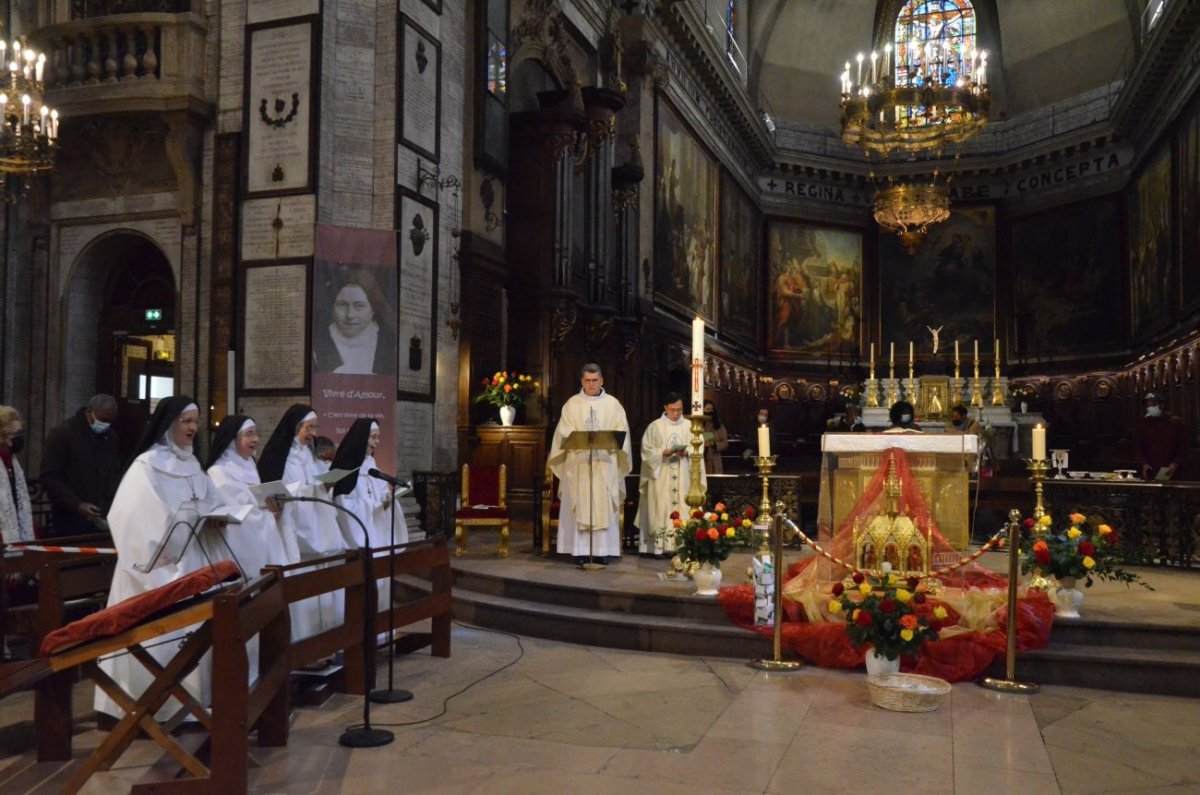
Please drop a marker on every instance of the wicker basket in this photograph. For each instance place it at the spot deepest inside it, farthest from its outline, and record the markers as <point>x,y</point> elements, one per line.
<point>907,692</point>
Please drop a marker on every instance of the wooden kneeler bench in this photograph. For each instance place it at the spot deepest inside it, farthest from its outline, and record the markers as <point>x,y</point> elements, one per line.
<point>226,621</point>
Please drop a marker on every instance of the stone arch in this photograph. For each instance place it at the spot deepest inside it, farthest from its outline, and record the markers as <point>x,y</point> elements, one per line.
<point>87,300</point>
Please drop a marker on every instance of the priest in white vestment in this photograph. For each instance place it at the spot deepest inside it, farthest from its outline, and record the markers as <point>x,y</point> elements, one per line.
<point>666,477</point>
<point>288,457</point>
<point>164,490</point>
<point>588,517</point>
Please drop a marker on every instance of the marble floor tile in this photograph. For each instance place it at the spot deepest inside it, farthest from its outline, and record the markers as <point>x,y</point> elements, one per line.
<point>707,764</point>
<point>827,756</point>
<point>1001,780</point>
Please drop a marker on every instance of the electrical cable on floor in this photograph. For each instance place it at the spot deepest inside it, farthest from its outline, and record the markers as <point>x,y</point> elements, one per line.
<point>446,700</point>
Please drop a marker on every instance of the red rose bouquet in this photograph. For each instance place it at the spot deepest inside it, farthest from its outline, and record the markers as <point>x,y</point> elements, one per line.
<point>887,612</point>
<point>1085,550</point>
<point>709,536</point>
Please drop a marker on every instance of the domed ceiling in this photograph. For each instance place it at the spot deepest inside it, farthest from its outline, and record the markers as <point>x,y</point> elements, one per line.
<point>1041,51</point>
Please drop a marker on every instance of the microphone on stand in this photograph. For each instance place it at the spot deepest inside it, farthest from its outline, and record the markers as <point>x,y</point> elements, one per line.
<point>365,735</point>
<point>386,478</point>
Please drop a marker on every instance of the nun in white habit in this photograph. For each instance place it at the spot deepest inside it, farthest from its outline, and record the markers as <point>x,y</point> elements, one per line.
<point>288,457</point>
<point>164,489</point>
<point>366,497</point>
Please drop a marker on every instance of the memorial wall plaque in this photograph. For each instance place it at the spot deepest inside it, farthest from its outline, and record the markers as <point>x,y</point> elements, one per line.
<point>258,11</point>
<point>275,328</point>
<point>417,222</point>
<point>420,67</point>
<point>280,62</point>
<point>278,228</point>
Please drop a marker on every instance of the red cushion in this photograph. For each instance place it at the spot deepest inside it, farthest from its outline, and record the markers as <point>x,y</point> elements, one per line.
<point>490,512</point>
<point>484,483</point>
<point>123,615</point>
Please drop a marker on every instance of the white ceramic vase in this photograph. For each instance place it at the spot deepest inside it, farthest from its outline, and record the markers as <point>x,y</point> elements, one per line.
<point>1066,598</point>
<point>507,414</point>
<point>707,579</point>
<point>878,664</point>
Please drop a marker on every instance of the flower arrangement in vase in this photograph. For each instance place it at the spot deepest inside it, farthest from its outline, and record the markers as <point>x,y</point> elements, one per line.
<point>709,536</point>
<point>1086,550</point>
<point>886,612</point>
<point>506,391</point>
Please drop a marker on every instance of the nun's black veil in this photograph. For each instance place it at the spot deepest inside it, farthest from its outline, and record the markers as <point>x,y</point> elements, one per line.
<point>167,412</point>
<point>351,453</point>
<point>227,431</point>
<point>274,455</point>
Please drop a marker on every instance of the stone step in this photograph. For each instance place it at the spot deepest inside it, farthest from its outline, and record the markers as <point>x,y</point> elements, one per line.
<point>1115,634</point>
<point>1167,672</point>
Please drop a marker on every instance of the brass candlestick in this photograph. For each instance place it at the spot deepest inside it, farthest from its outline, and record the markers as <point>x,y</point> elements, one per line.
<point>765,465</point>
<point>997,395</point>
<point>976,391</point>
<point>1009,683</point>
<point>872,386</point>
<point>696,495</point>
<point>912,386</point>
<point>892,397</point>
<point>1037,473</point>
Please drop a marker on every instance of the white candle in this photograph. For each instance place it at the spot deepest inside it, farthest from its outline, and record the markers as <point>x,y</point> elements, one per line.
<point>956,350</point>
<point>874,59</point>
<point>764,441</point>
<point>891,353</point>
<point>976,351</point>
<point>1039,443</point>
<point>858,79</point>
<point>872,356</point>
<point>697,406</point>
<point>910,354</point>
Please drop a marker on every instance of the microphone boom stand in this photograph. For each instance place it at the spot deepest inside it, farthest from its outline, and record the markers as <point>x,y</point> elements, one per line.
<point>390,695</point>
<point>364,736</point>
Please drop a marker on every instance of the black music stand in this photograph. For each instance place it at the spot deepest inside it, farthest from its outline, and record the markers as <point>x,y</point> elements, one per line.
<point>593,442</point>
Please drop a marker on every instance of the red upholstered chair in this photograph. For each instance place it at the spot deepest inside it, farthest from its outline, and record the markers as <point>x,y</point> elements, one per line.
<point>484,504</point>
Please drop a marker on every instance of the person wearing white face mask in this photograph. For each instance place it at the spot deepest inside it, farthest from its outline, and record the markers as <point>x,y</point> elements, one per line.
<point>81,468</point>
<point>903,417</point>
<point>1164,442</point>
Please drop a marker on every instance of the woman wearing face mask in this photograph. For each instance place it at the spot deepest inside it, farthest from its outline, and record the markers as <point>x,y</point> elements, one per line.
<point>716,440</point>
<point>16,516</point>
<point>163,490</point>
<point>903,417</point>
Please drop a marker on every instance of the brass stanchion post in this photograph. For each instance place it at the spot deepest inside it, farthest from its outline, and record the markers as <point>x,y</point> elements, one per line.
<point>1009,683</point>
<point>777,664</point>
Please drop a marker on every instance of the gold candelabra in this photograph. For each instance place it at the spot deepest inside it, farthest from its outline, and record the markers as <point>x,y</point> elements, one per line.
<point>997,395</point>
<point>872,385</point>
<point>892,397</point>
<point>1037,473</point>
<point>912,385</point>
<point>696,494</point>
<point>976,392</point>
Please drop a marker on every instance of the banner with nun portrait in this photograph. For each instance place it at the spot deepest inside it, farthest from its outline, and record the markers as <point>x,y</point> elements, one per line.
<point>354,333</point>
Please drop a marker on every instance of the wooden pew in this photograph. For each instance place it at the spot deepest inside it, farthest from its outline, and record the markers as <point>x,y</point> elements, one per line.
<point>431,555</point>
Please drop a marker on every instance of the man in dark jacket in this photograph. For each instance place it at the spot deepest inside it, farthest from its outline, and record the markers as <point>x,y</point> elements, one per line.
<point>1164,442</point>
<point>81,468</point>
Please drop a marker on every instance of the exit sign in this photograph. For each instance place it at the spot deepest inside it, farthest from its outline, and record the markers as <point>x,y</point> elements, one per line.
<point>153,315</point>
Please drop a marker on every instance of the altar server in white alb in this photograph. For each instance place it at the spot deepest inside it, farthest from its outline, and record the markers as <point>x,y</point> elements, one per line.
<point>368,498</point>
<point>163,491</point>
<point>666,476</point>
<point>288,457</point>
<point>587,520</point>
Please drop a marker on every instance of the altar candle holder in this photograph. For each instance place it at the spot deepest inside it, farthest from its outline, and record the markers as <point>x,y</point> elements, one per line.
<point>1037,473</point>
<point>696,494</point>
<point>997,394</point>
<point>872,385</point>
<point>892,397</point>
<point>976,391</point>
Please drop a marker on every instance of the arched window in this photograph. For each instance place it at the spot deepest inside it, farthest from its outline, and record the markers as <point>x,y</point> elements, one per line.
<point>935,42</point>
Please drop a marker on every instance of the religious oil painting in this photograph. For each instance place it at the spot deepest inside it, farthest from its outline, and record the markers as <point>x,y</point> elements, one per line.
<point>685,219</point>
<point>949,283</point>
<point>1067,280</point>
<point>1189,203</point>
<point>1153,273</point>
<point>814,288</point>
<point>741,246</point>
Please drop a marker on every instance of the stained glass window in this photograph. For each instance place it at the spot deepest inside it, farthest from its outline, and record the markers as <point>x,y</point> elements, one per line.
<point>935,42</point>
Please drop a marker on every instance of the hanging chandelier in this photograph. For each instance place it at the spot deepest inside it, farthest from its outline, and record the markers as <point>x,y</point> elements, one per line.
<point>909,209</point>
<point>937,95</point>
<point>29,128</point>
